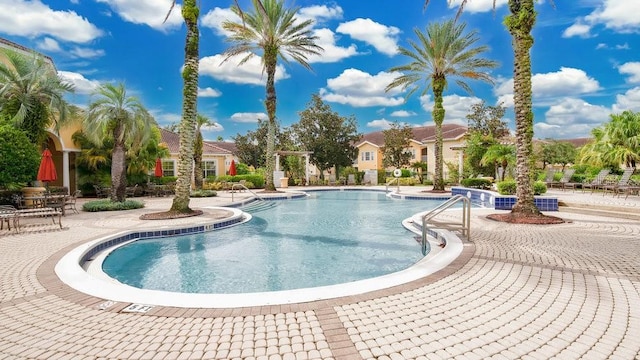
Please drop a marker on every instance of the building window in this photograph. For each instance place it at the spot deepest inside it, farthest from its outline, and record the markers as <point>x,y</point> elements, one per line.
<point>367,156</point>
<point>208,169</point>
<point>168,168</point>
<point>413,153</point>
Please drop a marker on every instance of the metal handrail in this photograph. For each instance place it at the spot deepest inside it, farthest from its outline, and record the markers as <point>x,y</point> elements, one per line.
<point>245,188</point>
<point>465,225</point>
<point>389,183</point>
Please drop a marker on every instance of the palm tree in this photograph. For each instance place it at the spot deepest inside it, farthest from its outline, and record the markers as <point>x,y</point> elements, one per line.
<point>617,142</point>
<point>444,52</point>
<point>201,121</point>
<point>499,155</point>
<point>520,23</point>
<point>274,31</point>
<point>190,13</point>
<point>32,95</point>
<point>116,117</point>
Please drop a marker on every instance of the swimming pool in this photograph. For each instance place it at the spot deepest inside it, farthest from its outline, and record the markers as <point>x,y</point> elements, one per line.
<point>330,237</point>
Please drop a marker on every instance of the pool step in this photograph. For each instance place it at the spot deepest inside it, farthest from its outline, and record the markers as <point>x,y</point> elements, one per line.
<point>257,206</point>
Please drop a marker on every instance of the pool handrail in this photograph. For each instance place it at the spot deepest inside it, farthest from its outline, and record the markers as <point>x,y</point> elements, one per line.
<point>242,186</point>
<point>464,226</point>
<point>397,180</point>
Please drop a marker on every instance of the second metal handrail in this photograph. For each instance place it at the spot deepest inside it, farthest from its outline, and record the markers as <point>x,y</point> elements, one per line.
<point>464,225</point>
<point>397,180</point>
<point>245,188</point>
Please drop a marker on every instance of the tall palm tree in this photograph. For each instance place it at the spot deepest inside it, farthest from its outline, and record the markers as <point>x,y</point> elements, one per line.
<point>273,31</point>
<point>32,95</point>
<point>499,155</point>
<point>116,117</point>
<point>444,52</point>
<point>520,22</point>
<point>201,121</point>
<point>190,13</point>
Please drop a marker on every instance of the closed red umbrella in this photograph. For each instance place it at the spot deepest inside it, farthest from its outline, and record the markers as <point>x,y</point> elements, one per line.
<point>47,170</point>
<point>232,168</point>
<point>158,171</point>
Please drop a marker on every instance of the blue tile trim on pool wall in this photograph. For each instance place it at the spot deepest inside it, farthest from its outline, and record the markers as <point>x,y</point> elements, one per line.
<point>502,202</point>
<point>138,235</point>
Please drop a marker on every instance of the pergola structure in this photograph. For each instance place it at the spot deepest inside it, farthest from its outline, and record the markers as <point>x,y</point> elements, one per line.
<point>306,155</point>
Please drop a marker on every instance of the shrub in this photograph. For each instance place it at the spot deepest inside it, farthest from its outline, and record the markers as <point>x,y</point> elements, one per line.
<point>476,183</point>
<point>256,180</point>
<point>507,187</point>
<point>164,180</point>
<point>203,193</point>
<point>405,173</point>
<point>108,205</point>
<point>539,188</point>
<point>19,158</point>
<point>382,176</point>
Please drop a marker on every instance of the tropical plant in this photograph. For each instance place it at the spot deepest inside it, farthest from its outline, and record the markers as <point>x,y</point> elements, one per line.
<point>201,121</point>
<point>499,155</point>
<point>274,31</point>
<point>32,95</point>
<point>115,116</point>
<point>487,120</point>
<point>616,142</point>
<point>329,136</point>
<point>190,14</point>
<point>444,52</point>
<point>558,152</point>
<point>519,23</point>
<point>19,158</point>
<point>395,151</point>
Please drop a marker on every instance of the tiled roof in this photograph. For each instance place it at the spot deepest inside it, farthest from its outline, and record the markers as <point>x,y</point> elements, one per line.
<point>172,140</point>
<point>420,133</point>
<point>4,43</point>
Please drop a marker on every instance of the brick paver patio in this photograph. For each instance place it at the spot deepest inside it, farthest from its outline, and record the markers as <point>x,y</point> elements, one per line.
<point>567,291</point>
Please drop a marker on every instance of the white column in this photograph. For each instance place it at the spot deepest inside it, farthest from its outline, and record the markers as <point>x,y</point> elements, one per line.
<point>277,162</point>
<point>460,167</point>
<point>65,171</point>
<point>306,169</point>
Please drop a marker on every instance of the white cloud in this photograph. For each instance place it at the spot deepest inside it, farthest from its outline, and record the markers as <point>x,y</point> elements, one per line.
<point>548,86</point>
<point>248,117</point>
<point>617,15</point>
<point>319,13</point>
<point>456,107</point>
<point>332,52</point>
<point>209,92</point>
<point>477,6</point>
<point>630,100</point>
<point>33,18</point>
<point>571,118</point>
<point>382,124</point>
<point>403,113</point>
<point>82,84</point>
<point>577,29</point>
<point>147,12</point>
<point>215,17</point>
<point>86,53</point>
<point>360,89</point>
<point>383,38</point>
<point>632,69</point>
<point>49,45</point>
<point>249,73</point>
<point>216,127</point>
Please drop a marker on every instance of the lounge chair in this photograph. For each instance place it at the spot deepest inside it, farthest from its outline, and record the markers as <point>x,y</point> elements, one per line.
<point>549,178</point>
<point>351,179</point>
<point>7,215</point>
<point>598,181</point>
<point>566,178</point>
<point>623,181</point>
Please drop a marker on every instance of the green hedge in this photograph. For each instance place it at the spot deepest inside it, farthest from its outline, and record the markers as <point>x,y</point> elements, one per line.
<point>107,205</point>
<point>476,183</point>
<point>256,180</point>
<point>203,193</point>
<point>508,187</point>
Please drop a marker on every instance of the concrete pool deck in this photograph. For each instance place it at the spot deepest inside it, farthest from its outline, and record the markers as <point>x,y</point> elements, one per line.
<point>517,291</point>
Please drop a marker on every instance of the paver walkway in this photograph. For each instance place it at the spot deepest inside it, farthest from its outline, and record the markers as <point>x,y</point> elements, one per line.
<point>567,291</point>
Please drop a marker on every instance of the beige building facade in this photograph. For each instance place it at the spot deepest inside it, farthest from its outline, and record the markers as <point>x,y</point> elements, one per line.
<point>422,147</point>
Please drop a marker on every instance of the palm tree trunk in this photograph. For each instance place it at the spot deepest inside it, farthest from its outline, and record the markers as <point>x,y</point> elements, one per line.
<point>270,59</point>
<point>118,167</point>
<point>438,118</point>
<point>197,161</point>
<point>520,23</point>
<point>190,13</point>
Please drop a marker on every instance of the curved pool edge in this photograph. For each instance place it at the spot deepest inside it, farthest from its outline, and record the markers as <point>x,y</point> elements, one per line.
<point>70,272</point>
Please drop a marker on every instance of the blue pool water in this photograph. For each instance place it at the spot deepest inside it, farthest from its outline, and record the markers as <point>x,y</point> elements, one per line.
<point>329,238</point>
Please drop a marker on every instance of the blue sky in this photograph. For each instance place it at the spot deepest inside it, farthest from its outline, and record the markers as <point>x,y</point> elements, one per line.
<point>585,62</point>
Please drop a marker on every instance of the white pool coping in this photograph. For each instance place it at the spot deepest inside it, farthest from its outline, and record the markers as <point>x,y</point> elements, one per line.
<point>70,271</point>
